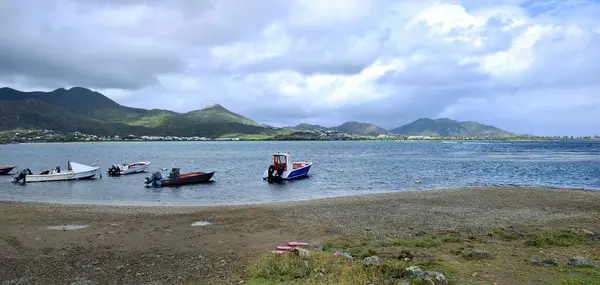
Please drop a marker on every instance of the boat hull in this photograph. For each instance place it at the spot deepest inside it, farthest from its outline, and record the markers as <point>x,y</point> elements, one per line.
<point>299,172</point>
<point>6,169</point>
<point>76,171</point>
<point>62,176</point>
<point>185,179</point>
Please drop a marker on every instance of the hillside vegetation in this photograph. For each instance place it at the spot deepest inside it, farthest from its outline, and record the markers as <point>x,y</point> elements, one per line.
<point>82,110</point>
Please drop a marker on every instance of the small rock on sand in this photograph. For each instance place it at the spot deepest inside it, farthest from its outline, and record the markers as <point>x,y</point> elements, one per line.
<point>373,260</point>
<point>587,232</point>
<point>542,262</point>
<point>477,254</point>
<point>67,227</point>
<point>301,252</point>
<point>200,224</point>
<point>581,261</point>
<point>431,276</point>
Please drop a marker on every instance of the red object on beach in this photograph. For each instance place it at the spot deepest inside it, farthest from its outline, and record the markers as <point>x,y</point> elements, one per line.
<point>284,247</point>
<point>278,251</point>
<point>295,243</point>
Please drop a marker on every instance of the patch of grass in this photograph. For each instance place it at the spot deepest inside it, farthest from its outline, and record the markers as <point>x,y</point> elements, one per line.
<point>508,264</point>
<point>321,268</point>
<point>342,243</point>
<point>426,242</point>
<point>476,255</point>
<point>589,276</point>
<point>505,234</point>
<point>579,281</point>
<point>555,238</point>
<point>450,239</point>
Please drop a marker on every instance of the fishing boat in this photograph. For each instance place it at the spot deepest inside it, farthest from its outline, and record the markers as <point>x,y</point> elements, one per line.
<point>75,171</point>
<point>284,169</point>
<point>177,179</point>
<point>128,168</point>
<point>6,169</point>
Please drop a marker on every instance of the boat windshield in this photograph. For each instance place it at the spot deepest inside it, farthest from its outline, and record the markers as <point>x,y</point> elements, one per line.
<point>280,159</point>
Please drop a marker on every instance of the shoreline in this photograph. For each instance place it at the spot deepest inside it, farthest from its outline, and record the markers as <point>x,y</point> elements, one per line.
<point>144,244</point>
<point>393,139</point>
<point>343,198</point>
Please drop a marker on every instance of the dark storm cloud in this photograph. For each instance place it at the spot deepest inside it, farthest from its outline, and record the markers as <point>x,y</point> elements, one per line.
<point>52,68</point>
<point>77,44</point>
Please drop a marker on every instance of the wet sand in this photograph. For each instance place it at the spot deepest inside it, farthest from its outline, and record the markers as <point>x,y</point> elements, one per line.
<point>158,245</point>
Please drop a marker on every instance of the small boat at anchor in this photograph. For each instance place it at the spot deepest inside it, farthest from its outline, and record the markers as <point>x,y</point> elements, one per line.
<point>128,168</point>
<point>177,179</point>
<point>75,171</point>
<point>6,169</point>
<point>284,169</point>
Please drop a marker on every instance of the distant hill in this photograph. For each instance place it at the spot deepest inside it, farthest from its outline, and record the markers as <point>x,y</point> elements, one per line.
<point>83,110</point>
<point>76,99</point>
<point>218,114</point>
<point>449,128</point>
<point>358,128</point>
<point>307,127</point>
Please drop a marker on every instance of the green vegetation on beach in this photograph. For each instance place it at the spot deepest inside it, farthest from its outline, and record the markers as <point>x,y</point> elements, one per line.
<point>495,256</point>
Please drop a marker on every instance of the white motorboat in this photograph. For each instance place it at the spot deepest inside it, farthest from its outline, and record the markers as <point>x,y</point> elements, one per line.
<point>128,168</point>
<point>284,169</point>
<point>74,171</point>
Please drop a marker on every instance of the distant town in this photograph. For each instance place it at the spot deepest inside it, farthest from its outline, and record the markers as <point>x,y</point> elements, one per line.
<point>29,136</point>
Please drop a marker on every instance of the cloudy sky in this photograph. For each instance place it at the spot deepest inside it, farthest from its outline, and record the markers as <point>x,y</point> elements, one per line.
<point>525,66</point>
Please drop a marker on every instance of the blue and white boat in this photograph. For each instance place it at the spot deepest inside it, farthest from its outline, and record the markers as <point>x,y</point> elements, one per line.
<point>284,169</point>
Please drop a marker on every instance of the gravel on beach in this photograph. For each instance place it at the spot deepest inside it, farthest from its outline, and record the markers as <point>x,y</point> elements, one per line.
<point>158,245</point>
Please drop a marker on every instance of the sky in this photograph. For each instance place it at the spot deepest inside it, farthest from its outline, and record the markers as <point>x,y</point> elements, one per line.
<point>524,66</point>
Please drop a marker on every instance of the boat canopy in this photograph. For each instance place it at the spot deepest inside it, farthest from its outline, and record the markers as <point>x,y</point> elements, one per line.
<point>281,158</point>
<point>78,167</point>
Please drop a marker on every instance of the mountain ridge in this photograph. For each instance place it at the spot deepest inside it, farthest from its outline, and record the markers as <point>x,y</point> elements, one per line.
<point>81,109</point>
<point>359,128</point>
<point>444,127</point>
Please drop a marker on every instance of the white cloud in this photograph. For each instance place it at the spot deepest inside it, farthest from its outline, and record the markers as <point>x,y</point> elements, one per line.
<point>501,62</point>
<point>334,91</point>
<point>519,57</point>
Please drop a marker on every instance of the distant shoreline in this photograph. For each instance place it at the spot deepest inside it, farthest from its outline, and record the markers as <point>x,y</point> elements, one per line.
<point>317,201</point>
<point>315,140</point>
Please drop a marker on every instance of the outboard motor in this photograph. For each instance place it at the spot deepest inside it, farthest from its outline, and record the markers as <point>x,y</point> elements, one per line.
<point>22,176</point>
<point>272,171</point>
<point>154,178</point>
<point>114,170</point>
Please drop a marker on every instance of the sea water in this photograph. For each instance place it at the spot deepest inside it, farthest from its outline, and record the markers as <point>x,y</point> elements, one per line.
<point>341,168</point>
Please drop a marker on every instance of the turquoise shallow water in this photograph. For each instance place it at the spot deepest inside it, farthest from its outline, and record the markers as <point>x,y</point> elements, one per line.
<point>340,169</point>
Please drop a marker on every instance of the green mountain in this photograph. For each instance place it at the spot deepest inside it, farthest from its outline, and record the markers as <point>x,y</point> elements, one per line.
<point>36,114</point>
<point>357,128</point>
<point>307,127</point>
<point>83,110</point>
<point>218,114</point>
<point>86,111</point>
<point>449,128</point>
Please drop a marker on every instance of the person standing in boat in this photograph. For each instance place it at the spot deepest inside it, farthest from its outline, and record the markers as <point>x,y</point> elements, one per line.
<point>55,170</point>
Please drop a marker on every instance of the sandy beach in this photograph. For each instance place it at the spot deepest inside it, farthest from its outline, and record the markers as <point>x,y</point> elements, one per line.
<point>158,245</point>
